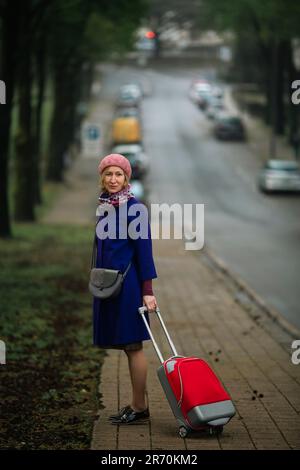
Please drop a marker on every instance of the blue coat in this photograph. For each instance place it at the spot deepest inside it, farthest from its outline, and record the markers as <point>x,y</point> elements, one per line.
<point>116,320</point>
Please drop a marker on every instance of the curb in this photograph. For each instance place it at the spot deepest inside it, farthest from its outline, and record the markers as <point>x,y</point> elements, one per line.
<point>271,312</point>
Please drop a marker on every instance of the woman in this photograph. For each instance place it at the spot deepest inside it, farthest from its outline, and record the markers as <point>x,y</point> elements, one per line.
<point>117,323</point>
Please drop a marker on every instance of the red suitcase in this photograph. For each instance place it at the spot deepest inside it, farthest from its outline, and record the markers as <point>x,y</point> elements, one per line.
<point>195,394</point>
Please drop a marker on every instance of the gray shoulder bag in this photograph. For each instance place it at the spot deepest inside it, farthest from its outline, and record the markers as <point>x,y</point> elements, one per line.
<point>105,283</point>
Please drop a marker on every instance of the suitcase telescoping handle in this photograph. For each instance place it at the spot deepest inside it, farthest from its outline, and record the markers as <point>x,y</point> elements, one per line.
<point>142,311</point>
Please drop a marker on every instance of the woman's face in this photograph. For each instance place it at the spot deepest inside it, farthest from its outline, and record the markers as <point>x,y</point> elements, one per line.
<point>114,179</point>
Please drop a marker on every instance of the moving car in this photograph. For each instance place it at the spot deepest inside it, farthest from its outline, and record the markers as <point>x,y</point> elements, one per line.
<point>279,175</point>
<point>132,89</point>
<point>126,130</point>
<point>229,127</point>
<point>137,157</point>
<point>129,95</point>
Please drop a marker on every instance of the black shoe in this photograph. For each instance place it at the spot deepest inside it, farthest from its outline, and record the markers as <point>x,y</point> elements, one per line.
<point>132,417</point>
<point>120,413</point>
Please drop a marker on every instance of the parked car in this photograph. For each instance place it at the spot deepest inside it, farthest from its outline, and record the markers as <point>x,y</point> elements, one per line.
<point>202,99</point>
<point>137,157</point>
<point>126,130</point>
<point>217,92</point>
<point>279,175</point>
<point>202,92</point>
<point>194,85</point>
<point>198,91</point>
<point>229,127</point>
<point>215,106</point>
<point>212,95</point>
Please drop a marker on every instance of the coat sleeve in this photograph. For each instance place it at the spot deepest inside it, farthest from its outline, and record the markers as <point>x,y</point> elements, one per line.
<point>143,256</point>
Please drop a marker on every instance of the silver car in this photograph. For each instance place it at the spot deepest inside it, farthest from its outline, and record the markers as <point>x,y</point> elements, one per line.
<point>279,175</point>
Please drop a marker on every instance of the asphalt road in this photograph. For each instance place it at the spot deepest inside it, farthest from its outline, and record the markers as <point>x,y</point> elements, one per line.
<point>256,235</point>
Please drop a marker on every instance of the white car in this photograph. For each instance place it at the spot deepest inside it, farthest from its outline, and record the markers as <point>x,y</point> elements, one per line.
<point>131,89</point>
<point>279,175</point>
<point>199,87</point>
<point>129,95</point>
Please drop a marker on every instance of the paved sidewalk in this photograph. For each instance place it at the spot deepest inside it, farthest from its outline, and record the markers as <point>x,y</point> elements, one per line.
<point>248,350</point>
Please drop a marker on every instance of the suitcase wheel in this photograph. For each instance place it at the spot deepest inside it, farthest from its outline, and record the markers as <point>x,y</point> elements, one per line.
<point>183,432</point>
<point>215,430</point>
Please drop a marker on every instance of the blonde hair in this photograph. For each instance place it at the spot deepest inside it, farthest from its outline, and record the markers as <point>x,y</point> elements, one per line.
<point>101,180</point>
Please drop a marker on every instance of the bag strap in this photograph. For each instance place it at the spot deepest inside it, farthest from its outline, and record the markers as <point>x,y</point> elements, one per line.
<point>127,269</point>
<point>94,257</point>
<point>94,254</point>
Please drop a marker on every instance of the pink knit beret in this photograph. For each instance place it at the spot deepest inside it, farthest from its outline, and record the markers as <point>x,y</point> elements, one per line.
<point>115,159</point>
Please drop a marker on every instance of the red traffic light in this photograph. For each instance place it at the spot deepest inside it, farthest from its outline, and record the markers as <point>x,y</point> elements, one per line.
<point>150,34</point>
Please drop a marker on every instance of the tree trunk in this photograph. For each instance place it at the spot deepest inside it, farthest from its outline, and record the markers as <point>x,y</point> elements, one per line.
<point>66,97</point>
<point>8,47</point>
<point>77,97</point>
<point>88,75</point>
<point>24,193</point>
<point>58,127</point>
<point>40,72</point>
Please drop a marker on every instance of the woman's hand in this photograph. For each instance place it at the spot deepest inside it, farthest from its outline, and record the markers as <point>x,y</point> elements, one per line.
<point>150,302</point>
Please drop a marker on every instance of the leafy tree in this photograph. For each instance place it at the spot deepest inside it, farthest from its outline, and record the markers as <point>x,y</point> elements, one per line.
<point>82,34</point>
<point>62,39</point>
<point>272,24</point>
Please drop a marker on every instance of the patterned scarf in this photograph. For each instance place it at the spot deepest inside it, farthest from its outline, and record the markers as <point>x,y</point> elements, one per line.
<point>115,199</point>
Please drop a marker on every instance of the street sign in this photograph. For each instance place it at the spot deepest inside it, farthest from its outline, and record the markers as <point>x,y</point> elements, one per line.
<point>91,139</point>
